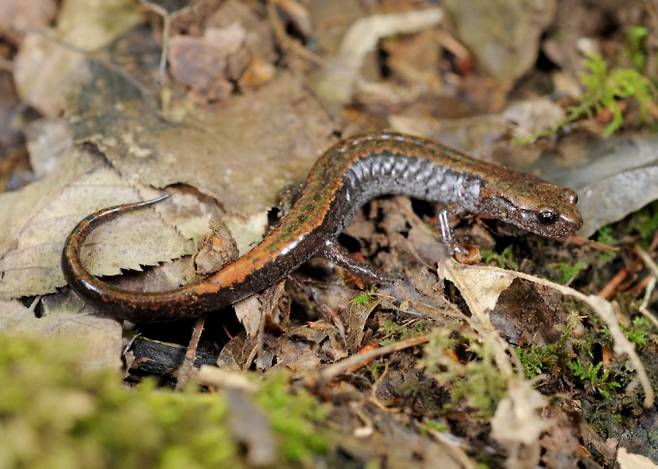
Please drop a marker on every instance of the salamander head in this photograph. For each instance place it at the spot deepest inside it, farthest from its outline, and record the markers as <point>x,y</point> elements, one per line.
<point>535,206</point>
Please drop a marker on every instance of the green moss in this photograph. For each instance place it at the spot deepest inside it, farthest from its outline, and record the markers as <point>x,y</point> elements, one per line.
<point>539,360</point>
<point>440,426</point>
<point>477,383</point>
<point>636,37</point>
<point>54,414</point>
<point>504,260</point>
<point>639,331</point>
<point>606,236</point>
<point>644,222</point>
<point>567,272</point>
<point>605,88</point>
<point>295,417</point>
<point>364,298</point>
<point>595,377</point>
<point>394,332</point>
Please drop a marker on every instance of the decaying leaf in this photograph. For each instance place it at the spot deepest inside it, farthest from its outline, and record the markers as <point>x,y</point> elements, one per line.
<point>18,17</point>
<point>66,316</point>
<point>60,55</point>
<point>41,215</point>
<point>336,84</point>
<point>628,460</point>
<point>517,420</point>
<point>503,34</point>
<point>279,129</point>
<point>491,281</point>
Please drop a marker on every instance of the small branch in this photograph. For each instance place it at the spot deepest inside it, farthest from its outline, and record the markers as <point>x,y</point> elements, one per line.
<point>357,361</point>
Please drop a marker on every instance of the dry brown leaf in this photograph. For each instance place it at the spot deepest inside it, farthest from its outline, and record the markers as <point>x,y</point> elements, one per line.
<point>517,420</point>
<point>17,17</point>
<point>49,140</point>
<point>249,312</point>
<point>491,281</point>
<point>503,34</point>
<point>82,26</point>
<point>40,216</point>
<point>209,64</point>
<point>343,72</point>
<point>67,316</point>
<point>628,460</point>
<point>242,154</point>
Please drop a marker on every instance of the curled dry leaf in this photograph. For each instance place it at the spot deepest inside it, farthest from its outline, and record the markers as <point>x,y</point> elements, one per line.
<point>517,420</point>
<point>41,215</point>
<point>503,34</point>
<point>491,281</point>
<point>343,71</point>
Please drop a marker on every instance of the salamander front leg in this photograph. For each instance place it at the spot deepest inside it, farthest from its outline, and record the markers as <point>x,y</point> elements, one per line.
<point>455,249</point>
<point>332,251</point>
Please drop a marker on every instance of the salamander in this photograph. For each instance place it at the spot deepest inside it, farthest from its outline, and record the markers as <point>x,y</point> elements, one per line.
<point>347,175</point>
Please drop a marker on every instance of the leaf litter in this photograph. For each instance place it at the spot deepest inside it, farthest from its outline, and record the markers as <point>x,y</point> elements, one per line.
<point>212,126</point>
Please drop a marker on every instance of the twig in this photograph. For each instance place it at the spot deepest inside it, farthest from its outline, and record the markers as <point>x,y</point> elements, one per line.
<point>288,43</point>
<point>648,261</point>
<point>185,370</point>
<point>610,288</point>
<point>166,32</point>
<point>359,360</point>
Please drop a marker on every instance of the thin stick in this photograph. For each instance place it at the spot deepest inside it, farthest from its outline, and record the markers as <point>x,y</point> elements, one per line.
<point>359,360</point>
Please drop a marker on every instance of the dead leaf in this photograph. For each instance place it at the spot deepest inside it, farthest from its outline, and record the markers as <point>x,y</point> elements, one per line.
<point>49,140</point>
<point>217,249</point>
<point>60,55</point>
<point>279,129</point>
<point>41,215</point>
<point>527,314</point>
<point>338,79</point>
<point>17,17</point>
<point>503,34</point>
<point>628,460</point>
<point>66,316</point>
<point>517,419</point>
<point>249,313</point>
<point>210,64</point>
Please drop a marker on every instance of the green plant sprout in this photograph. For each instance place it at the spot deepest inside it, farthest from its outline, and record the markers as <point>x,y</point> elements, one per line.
<point>636,37</point>
<point>568,272</point>
<point>504,260</point>
<point>604,88</point>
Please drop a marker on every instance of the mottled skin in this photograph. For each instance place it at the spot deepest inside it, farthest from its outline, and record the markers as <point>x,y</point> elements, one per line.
<point>346,176</point>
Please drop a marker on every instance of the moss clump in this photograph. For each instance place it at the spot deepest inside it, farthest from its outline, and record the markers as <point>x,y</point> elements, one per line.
<point>394,332</point>
<point>53,414</point>
<point>295,417</point>
<point>477,383</point>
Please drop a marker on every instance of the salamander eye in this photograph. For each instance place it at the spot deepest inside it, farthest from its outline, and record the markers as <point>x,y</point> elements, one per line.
<point>546,216</point>
<point>570,196</point>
